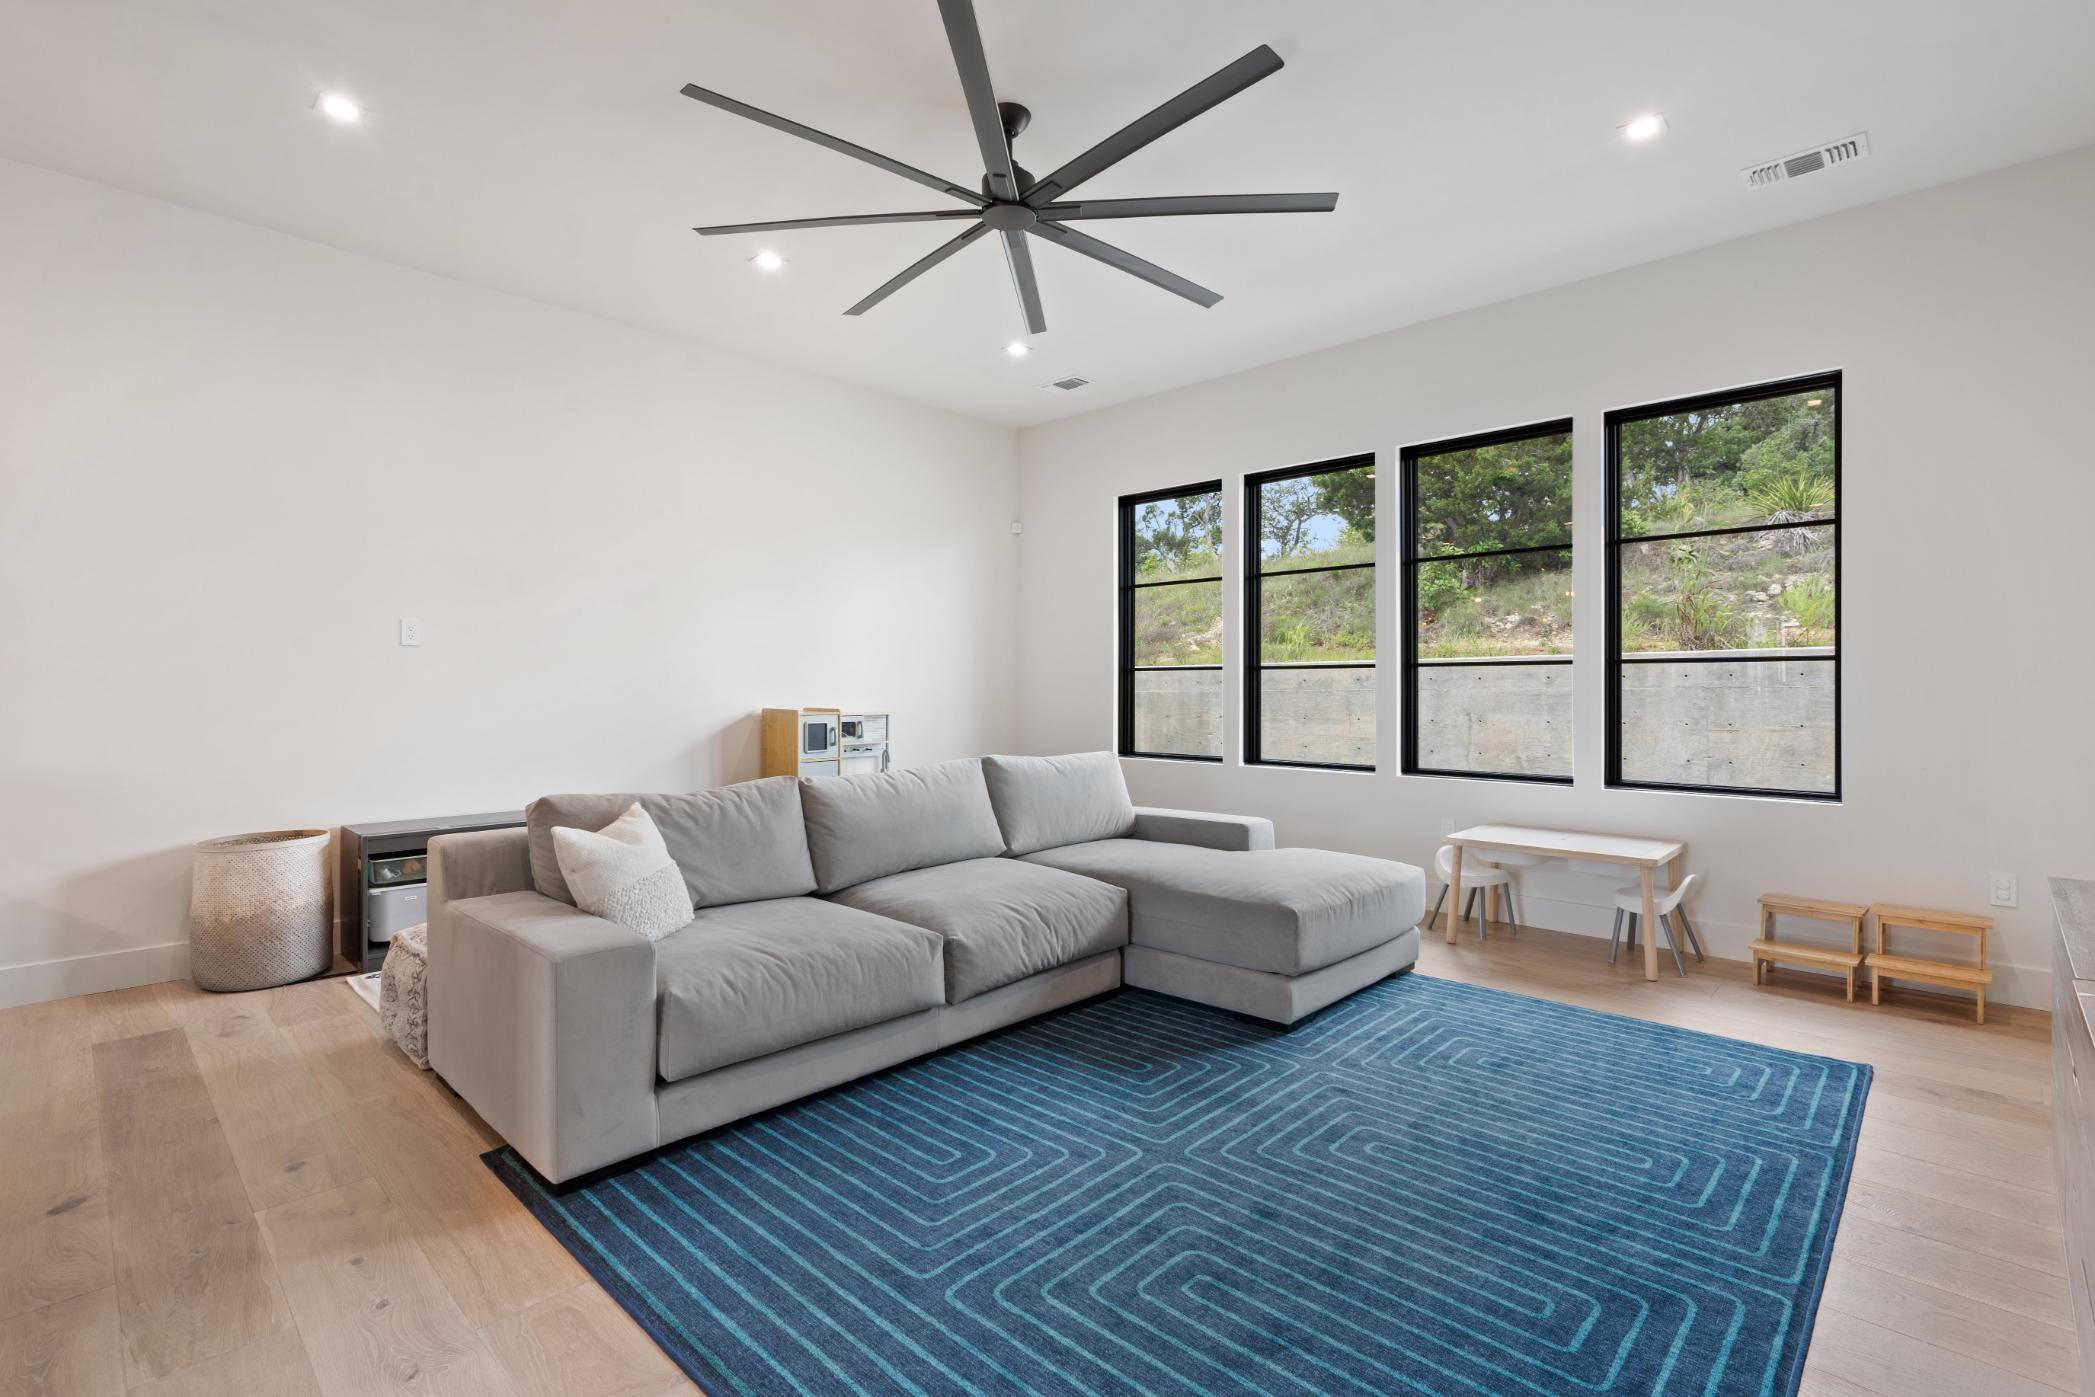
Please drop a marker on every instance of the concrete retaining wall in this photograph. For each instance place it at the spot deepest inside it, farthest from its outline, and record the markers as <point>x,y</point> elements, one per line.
<point>1765,725</point>
<point>1318,715</point>
<point>1179,711</point>
<point>1514,720</point>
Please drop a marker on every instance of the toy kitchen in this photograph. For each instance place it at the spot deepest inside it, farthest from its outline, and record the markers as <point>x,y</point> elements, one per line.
<point>824,742</point>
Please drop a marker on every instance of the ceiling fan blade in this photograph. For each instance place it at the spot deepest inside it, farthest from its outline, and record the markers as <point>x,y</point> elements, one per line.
<point>835,143</point>
<point>1261,62</point>
<point>1177,205</point>
<point>1021,259</point>
<point>918,268</point>
<point>1127,262</point>
<point>849,220</point>
<point>966,38</point>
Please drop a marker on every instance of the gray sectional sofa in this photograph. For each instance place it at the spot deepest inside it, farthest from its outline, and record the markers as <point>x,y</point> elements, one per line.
<point>847,924</point>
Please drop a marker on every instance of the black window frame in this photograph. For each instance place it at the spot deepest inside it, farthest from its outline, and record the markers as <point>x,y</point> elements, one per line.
<point>1128,586</point>
<point>1830,381</point>
<point>1407,543</point>
<point>1255,665</point>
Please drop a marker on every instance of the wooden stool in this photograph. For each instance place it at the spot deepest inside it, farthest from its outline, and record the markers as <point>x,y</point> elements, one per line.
<point>1950,974</point>
<point>1768,950</point>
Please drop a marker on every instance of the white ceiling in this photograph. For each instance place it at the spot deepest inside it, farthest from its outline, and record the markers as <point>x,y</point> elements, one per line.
<point>541,148</point>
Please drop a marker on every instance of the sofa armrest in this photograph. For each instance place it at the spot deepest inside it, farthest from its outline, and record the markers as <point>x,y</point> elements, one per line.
<point>479,864</point>
<point>1236,832</point>
<point>543,1018</point>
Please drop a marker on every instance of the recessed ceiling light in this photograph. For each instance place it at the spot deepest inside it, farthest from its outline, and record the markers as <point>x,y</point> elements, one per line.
<point>768,261</point>
<point>1644,127</point>
<point>341,108</point>
<point>1018,350</point>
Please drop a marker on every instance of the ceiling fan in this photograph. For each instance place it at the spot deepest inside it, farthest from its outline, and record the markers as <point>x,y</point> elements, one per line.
<point>1012,204</point>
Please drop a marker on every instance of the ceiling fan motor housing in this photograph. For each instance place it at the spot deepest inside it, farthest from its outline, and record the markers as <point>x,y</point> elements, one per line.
<point>1009,218</point>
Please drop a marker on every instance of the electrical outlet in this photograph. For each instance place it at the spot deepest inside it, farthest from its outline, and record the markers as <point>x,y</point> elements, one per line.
<point>2003,889</point>
<point>1447,826</point>
<point>410,631</point>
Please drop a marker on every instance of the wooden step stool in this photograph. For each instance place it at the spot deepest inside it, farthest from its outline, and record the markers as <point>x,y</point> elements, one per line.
<point>1883,965</point>
<point>1768,950</point>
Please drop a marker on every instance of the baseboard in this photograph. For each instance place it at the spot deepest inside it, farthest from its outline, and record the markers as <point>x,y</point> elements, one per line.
<point>2026,985</point>
<point>111,970</point>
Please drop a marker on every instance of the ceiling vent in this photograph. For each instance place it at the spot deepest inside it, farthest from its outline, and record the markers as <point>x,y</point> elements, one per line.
<point>1807,162</point>
<point>1067,385</point>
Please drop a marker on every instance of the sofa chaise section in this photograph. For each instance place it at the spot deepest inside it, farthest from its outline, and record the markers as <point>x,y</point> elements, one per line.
<point>1215,912</point>
<point>1273,933</point>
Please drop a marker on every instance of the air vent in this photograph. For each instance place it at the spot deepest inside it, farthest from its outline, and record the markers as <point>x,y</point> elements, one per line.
<point>1067,385</point>
<point>1807,162</point>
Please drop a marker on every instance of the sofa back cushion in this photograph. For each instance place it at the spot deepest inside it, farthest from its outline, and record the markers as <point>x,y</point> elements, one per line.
<point>865,827</point>
<point>1046,802</point>
<point>739,843</point>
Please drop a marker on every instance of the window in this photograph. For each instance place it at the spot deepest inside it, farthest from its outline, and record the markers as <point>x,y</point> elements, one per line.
<point>1724,592</point>
<point>1171,623</point>
<point>1310,595</point>
<point>1487,605</point>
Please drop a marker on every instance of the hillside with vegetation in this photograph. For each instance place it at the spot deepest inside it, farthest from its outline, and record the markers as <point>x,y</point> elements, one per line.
<point>1762,468</point>
<point>1494,525</point>
<point>1314,523</point>
<point>1179,541</point>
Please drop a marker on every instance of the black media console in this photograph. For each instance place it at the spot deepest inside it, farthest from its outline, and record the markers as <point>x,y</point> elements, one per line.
<point>387,845</point>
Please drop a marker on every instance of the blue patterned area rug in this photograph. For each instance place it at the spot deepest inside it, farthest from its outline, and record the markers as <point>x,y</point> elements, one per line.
<point>1429,1188</point>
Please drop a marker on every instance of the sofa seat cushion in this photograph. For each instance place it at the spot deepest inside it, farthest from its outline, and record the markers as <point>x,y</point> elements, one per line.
<point>1002,920</point>
<point>1286,911</point>
<point>757,977</point>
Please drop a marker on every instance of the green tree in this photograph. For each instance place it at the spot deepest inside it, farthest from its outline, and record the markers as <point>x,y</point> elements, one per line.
<point>1704,469</point>
<point>1286,509</point>
<point>1351,496</point>
<point>1513,495</point>
<point>1178,535</point>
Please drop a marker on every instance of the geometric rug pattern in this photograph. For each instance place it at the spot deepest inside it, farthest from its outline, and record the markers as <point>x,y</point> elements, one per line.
<point>1430,1188</point>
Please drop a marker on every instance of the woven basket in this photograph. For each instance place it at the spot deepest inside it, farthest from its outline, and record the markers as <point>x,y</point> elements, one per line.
<point>258,910</point>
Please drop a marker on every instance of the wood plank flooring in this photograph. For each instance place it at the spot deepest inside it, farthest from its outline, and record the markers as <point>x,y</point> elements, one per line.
<point>213,1194</point>
<point>257,1194</point>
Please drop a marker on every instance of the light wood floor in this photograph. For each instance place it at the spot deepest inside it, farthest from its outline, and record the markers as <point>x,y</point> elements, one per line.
<point>257,1194</point>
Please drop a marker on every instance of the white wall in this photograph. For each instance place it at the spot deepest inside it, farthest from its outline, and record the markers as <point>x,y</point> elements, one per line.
<point>1964,320</point>
<point>230,460</point>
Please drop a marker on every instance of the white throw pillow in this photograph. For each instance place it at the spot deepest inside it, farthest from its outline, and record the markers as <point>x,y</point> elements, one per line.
<point>623,873</point>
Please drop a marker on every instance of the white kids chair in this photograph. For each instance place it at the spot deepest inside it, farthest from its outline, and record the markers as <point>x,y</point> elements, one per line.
<point>1629,902</point>
<point>1474,881</point>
